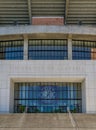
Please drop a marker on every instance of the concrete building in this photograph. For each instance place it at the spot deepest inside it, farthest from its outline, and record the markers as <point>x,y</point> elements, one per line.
<point>47,56</point>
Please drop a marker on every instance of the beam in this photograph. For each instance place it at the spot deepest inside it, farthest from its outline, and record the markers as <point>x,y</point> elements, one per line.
<point>74,30</point>
<point>11,37</point>
<point>66,10</point>
<point>29,11</point>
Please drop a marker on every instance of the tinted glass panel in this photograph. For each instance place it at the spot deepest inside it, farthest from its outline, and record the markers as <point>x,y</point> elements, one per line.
<point>48,49</point>
<point>47,97</point>
<point>11,50</point>
<point>84,50</point>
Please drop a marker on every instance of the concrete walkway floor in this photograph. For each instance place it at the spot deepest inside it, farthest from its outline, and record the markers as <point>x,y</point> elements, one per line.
<point>47,122</point>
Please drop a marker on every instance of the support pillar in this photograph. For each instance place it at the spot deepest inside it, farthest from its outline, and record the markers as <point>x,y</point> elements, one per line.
<point>25,47</point>
<point>30,11</point>
<point>70,47</point>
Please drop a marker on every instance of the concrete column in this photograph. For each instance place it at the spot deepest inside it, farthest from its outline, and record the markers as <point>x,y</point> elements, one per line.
<point>30,11</point>
<point>84,99</point>
<point>25,47</point>
<point>70,47</point>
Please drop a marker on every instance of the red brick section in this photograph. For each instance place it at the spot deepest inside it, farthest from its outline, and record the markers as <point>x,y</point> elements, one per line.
<point>48,21</point>
<point>93,53</point>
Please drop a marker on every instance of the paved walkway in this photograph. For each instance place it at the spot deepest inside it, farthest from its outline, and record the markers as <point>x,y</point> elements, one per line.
<point>46,122</point>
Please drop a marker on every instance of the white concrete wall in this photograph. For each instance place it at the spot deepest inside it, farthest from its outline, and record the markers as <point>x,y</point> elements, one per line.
<point>64,71</point>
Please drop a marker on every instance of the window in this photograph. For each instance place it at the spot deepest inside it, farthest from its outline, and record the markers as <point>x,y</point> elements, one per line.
<point>48,49</point>
<point>45,97</point>
<point>84,50</point>
<point>11,50</point>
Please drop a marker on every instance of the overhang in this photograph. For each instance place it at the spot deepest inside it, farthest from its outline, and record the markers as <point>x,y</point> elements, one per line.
<point>17,30</point>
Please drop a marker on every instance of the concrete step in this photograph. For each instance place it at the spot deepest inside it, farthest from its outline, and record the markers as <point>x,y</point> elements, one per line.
<point>46,121</point>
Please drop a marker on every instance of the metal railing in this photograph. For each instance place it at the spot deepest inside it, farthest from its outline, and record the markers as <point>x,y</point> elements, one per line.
<point>73,122</point>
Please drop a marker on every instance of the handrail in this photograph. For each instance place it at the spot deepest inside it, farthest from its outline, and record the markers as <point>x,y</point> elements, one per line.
<point>73,122</point>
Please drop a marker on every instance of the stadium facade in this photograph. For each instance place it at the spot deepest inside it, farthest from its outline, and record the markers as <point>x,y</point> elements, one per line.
<point>47,56</point>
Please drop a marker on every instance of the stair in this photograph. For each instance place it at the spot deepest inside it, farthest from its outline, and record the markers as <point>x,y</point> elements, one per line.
<point>82,10</point>
<point>44,8</point>
<point>13,10</point>
<point>46,122</point>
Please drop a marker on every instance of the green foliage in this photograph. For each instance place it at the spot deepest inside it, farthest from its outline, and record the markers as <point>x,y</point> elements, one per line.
<point>21,108</point>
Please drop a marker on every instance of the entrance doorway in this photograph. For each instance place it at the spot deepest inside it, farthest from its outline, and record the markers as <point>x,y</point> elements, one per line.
<point>47,97</point>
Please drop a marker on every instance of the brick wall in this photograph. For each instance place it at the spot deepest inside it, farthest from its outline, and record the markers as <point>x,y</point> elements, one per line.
<point>48,21</point>
<point>93,53</point>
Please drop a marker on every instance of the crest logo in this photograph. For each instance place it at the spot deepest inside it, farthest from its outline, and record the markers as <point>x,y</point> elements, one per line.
<point>47,94</point>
